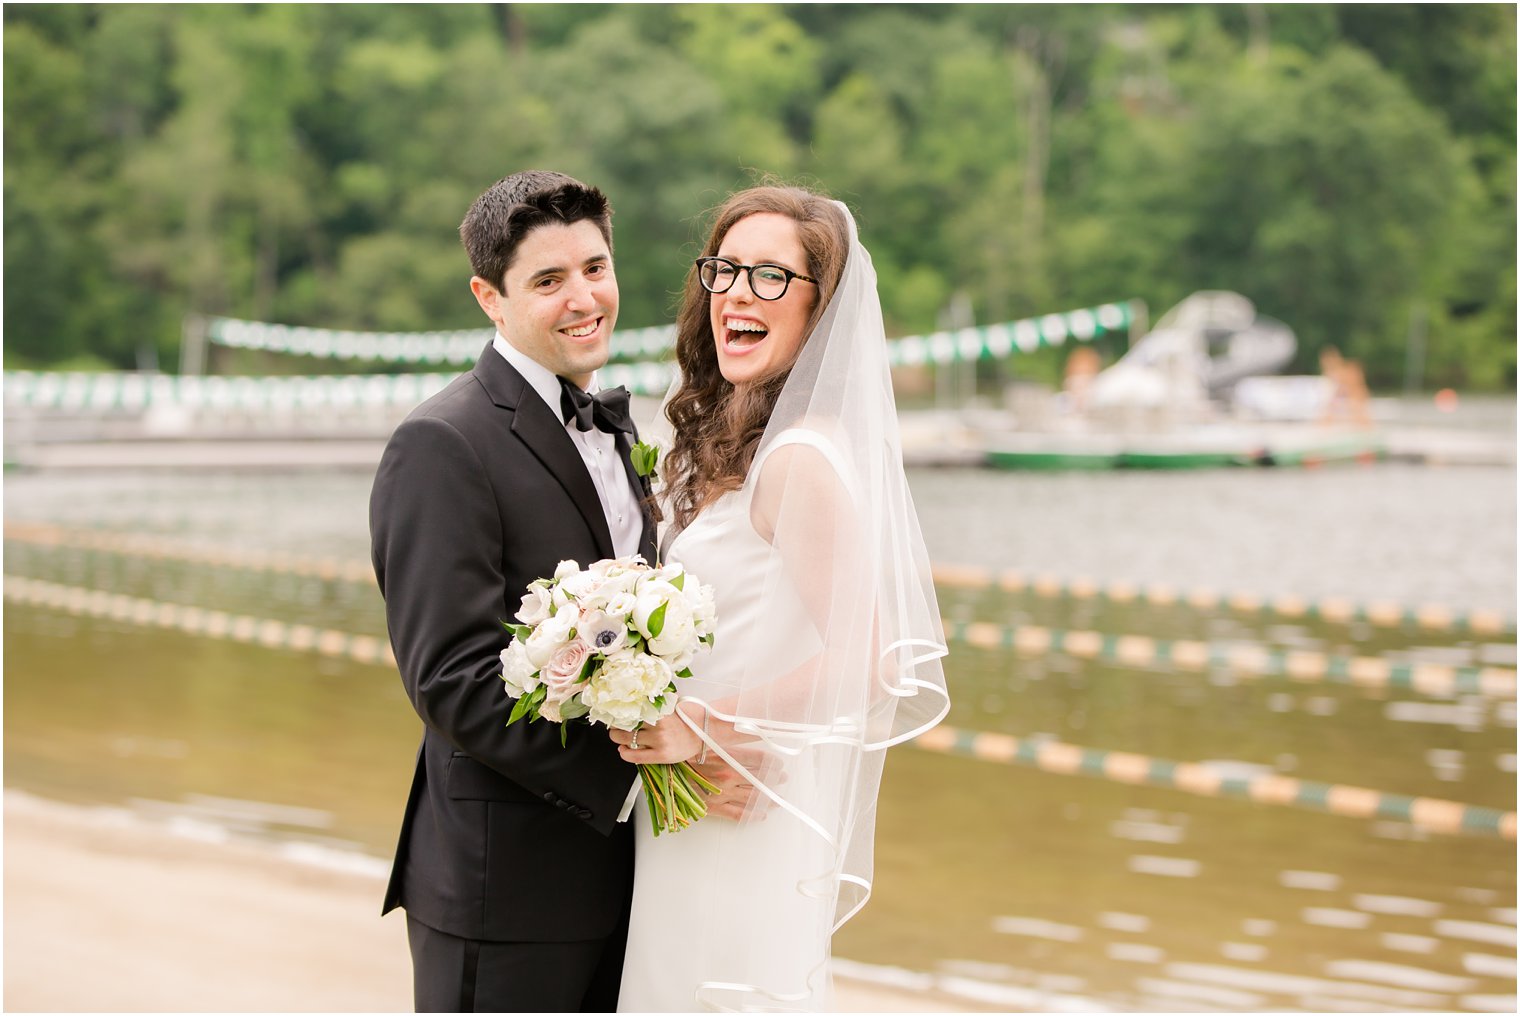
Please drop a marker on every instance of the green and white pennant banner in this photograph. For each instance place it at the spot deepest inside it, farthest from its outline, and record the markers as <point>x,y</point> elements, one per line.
<point>403,347</point>
<point>641,344</point>
<point>130,393</point>
<point>997,342</point>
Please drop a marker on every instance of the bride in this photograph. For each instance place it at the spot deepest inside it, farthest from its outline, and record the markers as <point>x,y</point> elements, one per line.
<point>785,486</point>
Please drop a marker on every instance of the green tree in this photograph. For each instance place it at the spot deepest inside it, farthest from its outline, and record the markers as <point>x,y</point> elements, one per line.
<point>1350,169</point>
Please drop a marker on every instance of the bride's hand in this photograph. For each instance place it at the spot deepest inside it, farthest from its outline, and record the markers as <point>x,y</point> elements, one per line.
<point>736,794</point>
<point>668,741</point>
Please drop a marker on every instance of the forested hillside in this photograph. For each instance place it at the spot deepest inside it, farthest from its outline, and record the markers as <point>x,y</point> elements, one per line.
<point>1349,168</point>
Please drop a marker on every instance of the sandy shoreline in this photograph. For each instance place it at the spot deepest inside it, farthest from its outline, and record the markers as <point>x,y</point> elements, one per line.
<point>108,913</point>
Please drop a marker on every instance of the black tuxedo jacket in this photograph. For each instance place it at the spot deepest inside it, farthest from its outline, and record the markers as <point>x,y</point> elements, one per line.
<point>507,835</point>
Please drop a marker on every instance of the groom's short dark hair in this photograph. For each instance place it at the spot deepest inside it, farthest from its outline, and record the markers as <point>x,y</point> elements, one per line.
<point>514,206</point>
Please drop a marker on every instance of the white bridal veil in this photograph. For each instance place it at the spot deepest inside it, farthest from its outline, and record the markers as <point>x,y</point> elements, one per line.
<point>838,655</point>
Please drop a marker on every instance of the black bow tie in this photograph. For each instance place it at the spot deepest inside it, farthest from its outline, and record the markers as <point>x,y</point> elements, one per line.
<point>607,410</point>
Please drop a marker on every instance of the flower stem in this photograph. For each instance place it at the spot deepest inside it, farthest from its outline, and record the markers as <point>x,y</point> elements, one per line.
<point>673,795</point>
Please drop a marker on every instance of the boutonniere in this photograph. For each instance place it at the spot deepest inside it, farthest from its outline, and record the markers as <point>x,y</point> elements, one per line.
<point>645,459</point>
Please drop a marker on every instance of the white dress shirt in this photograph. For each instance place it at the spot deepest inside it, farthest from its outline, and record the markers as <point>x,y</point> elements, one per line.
<point>620,503</point>
<point>599,452</point>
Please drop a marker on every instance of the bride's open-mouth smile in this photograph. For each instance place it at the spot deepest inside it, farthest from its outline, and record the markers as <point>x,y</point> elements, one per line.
<point>742,335</point>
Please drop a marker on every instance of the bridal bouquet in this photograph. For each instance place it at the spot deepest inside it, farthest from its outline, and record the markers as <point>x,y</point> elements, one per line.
<point>605,644</point>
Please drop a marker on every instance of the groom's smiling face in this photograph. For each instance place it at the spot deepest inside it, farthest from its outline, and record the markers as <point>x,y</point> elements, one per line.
<point>559,299</point>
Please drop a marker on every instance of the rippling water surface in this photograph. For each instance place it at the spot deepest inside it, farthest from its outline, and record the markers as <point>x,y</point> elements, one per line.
<point>1016,886</point>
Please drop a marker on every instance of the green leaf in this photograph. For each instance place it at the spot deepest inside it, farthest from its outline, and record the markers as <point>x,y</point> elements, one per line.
<point>684,672</point>
<point>657,621</point>
<point>644,458</point>
<point>520,708</point>
<point>536,697</point>
<point>679,582</point>
<point>519,631</point>
<point>574,709</point>
<point>564,733</point>
<point>691,776</point>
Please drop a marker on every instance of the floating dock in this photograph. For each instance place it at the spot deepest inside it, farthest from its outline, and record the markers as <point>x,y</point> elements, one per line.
<point>1231,446</point>
<point>930,438</point>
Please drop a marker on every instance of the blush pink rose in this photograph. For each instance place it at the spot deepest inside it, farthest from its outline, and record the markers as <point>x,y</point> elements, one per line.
<point>560,673</point>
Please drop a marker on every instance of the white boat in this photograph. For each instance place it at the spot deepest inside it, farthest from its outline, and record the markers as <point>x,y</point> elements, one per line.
<point>1196,355</point>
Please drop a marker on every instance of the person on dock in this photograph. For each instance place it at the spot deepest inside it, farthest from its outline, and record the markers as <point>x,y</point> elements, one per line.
<point>1348,394</point>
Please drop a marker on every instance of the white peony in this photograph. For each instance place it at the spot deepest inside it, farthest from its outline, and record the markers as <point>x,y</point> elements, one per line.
<point>623,693</point>
<point>681,661</point>
<point>651,596</point>
<point>549,636</point>
<point>665,573</point>
<point>535,605</point>
<point>704,610</point>
<point>678,636</point>
<point>517,670</point>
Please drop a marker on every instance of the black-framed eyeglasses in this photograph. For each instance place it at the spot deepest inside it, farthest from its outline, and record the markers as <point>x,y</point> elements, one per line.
<point>767,282</point>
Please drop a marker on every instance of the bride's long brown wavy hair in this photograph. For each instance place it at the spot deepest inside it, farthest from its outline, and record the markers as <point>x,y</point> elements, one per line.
<point>718,425</point>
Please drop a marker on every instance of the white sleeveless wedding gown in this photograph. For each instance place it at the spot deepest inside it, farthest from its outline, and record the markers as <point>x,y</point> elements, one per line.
<point>731,916</point>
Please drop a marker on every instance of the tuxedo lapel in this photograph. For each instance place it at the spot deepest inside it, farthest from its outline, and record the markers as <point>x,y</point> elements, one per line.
<point>544,434</point>
<point>644,490</point>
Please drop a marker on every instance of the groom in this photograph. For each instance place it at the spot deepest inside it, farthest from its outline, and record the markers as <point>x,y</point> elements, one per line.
<point>513,868</point>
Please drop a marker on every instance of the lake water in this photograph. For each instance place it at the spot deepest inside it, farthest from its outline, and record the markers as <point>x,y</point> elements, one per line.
<point>1010,885</point>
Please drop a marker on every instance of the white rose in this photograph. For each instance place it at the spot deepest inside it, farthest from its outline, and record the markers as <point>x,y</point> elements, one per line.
<point>620,604</point>
<point>517,671</point>
<point>623,693</point>
<point>616,585</point>
<point>535,605</point>
<point>565,570</point>
<point>622,575</point>
<point>582,587</point>
<point>601,633</point>
<point>612,566</point>
<point>549,636</point>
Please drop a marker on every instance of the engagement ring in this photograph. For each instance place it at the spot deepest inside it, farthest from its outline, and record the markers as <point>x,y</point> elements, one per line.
<point>634,744</point>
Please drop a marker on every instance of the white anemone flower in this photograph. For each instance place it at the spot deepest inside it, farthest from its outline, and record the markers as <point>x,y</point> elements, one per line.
<point>602,633</point>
